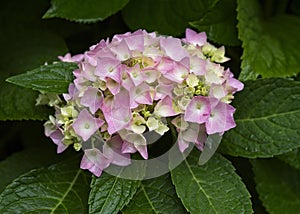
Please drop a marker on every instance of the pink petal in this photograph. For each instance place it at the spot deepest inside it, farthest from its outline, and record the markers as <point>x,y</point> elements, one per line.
<point>128,148</point>
<point>81,83</point>
<point>165,65</point>
<point>135,41</point>
<point>191,133</point>
<point>139,142</point>
<point>150,75</point>
<point>194,37</point>
<point>197,66</point>
<point>173,48</point>
<point>135,74</point>
<point>218,91</point>
<point>221,118</point>
<point>182,144</point>
<point>177,74</point>
<point>164,107</point>
<point>99,50</point>
<point>150,39</point>
<point>112,85</point>
<point>108,67</point>
<point>112,151</point>
<point>94,161</point>
<point>126,82</point>
<point>86,125</point>
<point>140,95</point>
<point>198,110</point>
<point>202,136</point>
<point>92,98</point>
<point>232,84</point>
<point>72,91</point>
<point>88,72</point>
<point>121,50</point>
<point>164,88</point>
<point>57,137</point>
<point>187,136</point>
<point>69,58</point>
<point>214,73</point>
<point>117,112</point>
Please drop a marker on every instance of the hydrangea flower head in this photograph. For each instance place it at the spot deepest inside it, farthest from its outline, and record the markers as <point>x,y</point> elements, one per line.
<point>131,85</point>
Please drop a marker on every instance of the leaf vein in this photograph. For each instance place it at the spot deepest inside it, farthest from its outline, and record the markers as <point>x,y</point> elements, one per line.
<point>200,187</point>
<point>67,192</point>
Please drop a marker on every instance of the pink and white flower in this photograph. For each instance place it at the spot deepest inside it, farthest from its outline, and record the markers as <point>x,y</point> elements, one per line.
<point>131,85</point>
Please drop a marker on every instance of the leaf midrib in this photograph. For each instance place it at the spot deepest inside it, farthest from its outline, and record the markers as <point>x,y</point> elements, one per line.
<point>148,199</point>
<point>267,117</point>
<point>200,187</point>
<point>67,192</point>
<point>109,193</point>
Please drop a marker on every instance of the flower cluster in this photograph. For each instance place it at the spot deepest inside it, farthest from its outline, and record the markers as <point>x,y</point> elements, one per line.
<point>129,86</point>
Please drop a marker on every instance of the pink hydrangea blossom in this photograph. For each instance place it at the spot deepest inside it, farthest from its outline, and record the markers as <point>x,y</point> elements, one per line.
<point>127,87</point>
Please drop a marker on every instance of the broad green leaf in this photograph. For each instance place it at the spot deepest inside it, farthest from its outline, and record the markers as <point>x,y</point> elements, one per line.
<point>109,194</point>
<point>270,44</point>
<point>277,185</point>
<point>220,23</point>
<point>156,195</point>
<point>48,78</point>
<point>84,10</point>
<point>210,188</point>
<point>267,118</point>
<point>169,17</point>
<point>291,158</point>
<point>26,44</point>
<point>11,168</point>
<point>61,188</point>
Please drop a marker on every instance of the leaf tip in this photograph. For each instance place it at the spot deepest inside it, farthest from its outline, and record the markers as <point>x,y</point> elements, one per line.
<point>50,13</point>
<point>11,80</point>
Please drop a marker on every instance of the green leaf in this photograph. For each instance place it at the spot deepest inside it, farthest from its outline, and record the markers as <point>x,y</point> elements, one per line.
<point>210,188</point>
<point>270,44</point>
<point>156,195</point>
<point>109,194</point>
<point>169,17</point>
<point>27,44</point>
<point>61,188</point>
<point>11,168</point>
<point>53,78</point>
<point>291,158</point>
<point>277,185</point>
<point>267,118</point>
<point>84,10</point>
<point>220,23</point>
